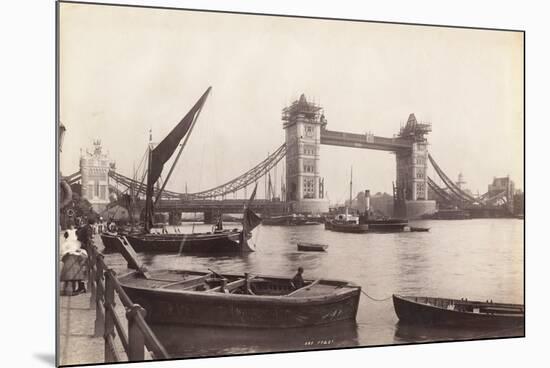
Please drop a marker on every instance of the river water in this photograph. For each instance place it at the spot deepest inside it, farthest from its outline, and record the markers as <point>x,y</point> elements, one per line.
<point>478,259</point>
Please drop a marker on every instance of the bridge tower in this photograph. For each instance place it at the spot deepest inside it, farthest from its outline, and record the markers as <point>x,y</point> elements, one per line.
<point>302,122</point>
<point>411,191</point>
<point>94,169</point>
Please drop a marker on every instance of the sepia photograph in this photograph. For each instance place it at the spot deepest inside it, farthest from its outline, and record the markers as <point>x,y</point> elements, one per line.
<point>236,183</point>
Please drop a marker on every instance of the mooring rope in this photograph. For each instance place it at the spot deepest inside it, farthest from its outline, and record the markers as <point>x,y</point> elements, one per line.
<point>375,299</point>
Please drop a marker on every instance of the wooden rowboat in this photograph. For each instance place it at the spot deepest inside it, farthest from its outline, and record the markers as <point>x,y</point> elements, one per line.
<point>427,310</point>
<point>419,229</point>
<point>211,299</point>
<point>312,247</point>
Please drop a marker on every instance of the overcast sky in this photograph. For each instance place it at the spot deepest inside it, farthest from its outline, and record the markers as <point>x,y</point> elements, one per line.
<point>126,70</point>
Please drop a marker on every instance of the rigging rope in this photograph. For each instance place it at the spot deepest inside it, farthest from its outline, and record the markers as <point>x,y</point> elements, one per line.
<point>231,186</point>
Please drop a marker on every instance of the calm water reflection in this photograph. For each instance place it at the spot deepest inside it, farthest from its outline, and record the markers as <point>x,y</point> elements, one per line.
<point>478,259</point>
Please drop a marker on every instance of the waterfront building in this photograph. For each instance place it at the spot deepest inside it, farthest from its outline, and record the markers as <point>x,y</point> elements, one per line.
<point>94,168</point>
<point>503,185</point>
<point>379,204</point>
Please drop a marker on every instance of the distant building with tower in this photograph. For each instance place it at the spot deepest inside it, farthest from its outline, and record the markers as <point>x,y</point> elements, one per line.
<point>503,186</point>
<point>94,168</point>
<point>460,182</point>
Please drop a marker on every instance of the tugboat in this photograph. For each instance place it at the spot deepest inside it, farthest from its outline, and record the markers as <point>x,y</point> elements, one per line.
<point>347,223</point>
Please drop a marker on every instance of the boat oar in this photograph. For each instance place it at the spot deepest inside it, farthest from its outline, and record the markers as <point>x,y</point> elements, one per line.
<point>216,274</point>
<point>131,257</point>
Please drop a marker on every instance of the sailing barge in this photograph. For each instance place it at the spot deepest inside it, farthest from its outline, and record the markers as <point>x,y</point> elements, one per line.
<point>453,312</point>
<point>211,299</point>
<point>227,241</point>
<point>218,241</point>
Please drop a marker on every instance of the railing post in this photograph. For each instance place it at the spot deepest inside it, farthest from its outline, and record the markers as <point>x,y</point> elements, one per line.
<point>99,313</point>
<point>109,318</point>
<point>91,274</point>
<point>136,340</point>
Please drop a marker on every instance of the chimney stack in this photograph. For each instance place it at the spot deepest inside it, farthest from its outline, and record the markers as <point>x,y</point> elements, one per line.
<point>367,200</point>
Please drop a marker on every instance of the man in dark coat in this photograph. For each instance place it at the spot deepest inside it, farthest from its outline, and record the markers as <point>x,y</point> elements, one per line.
<point>297,280</point>
<point>85,234</point>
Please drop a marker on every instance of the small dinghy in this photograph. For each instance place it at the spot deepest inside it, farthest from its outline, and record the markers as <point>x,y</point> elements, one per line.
<point>457,312</point>
<point>419,229</point>
<point>312,247</point>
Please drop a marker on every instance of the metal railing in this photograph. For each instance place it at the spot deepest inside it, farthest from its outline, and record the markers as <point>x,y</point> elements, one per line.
<point>137,336</point>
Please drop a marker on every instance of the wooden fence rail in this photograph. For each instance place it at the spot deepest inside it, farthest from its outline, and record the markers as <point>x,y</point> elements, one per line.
<point>104,286</point>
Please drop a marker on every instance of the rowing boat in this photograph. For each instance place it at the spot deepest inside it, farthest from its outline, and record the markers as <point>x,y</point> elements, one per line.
<point>212,299</point>
<point>312,247</point>
<point>419,229</point>
<point>428,310</point>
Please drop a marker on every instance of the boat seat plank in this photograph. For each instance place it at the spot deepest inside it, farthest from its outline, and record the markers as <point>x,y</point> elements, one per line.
<point>304,288</point>
<point>190,282</point>
<point>317,290</point>
<point>231,285</point>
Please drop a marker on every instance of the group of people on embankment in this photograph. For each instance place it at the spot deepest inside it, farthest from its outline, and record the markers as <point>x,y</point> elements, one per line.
<point>74,258</point>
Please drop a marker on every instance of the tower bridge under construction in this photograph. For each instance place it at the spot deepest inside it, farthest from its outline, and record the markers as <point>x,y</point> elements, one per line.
<point>303,190</point>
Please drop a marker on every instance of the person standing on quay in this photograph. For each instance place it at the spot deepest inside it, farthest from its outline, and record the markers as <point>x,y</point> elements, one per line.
<point>74,265</point>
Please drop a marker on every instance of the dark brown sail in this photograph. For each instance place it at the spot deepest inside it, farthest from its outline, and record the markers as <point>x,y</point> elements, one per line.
<point>250,219</point>
<point>165,149</point>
